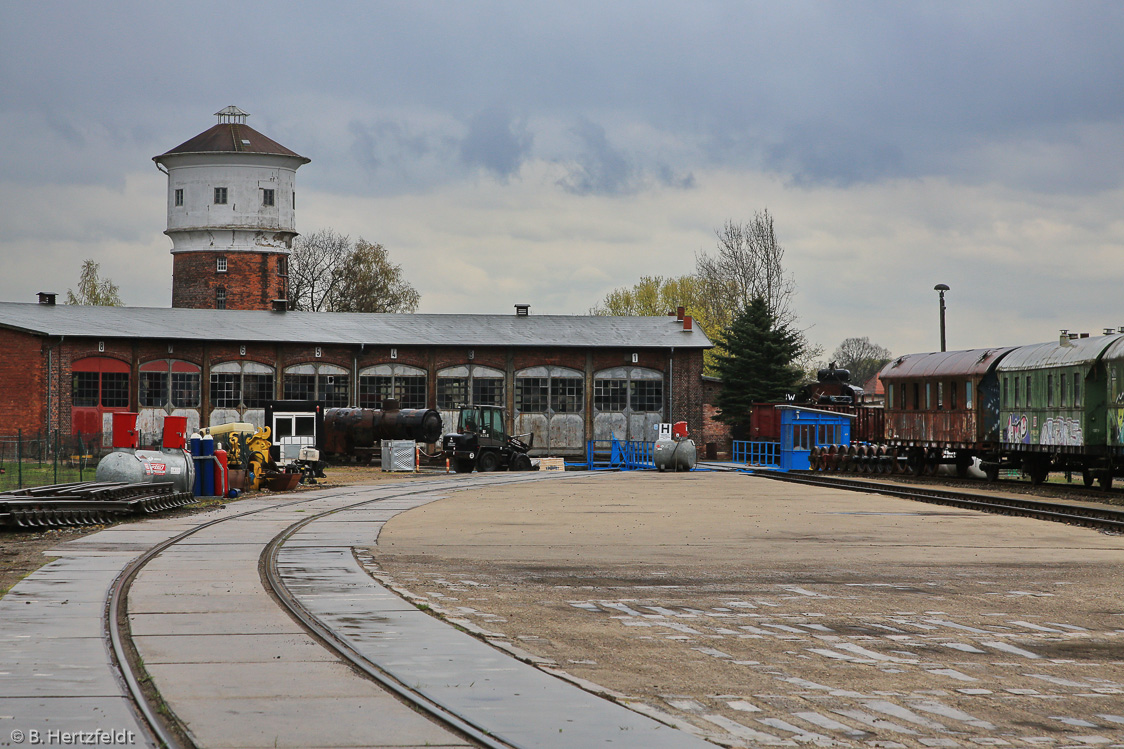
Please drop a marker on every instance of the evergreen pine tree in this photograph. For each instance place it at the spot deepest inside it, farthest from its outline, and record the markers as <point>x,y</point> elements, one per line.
<point>757,365</point>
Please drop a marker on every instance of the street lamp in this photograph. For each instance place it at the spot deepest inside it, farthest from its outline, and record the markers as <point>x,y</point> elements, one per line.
<point>942,288</point>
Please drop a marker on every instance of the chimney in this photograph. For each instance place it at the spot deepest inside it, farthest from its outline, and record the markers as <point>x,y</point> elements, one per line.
<point>280,305</point>
<point>522,310</point>
<point>688,323</point>
<point>47,297</point>
<point>1084,335</point>
<point>679,313</point>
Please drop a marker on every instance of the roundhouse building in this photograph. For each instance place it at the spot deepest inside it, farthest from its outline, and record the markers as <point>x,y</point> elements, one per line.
<point>228,346</point>
<point>567,379</point>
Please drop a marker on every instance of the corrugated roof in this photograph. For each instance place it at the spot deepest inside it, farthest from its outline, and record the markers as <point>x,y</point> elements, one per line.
<point>968,363</point>
<point>231,137</point>
<point>240,326</point>
<point>1058,354</point>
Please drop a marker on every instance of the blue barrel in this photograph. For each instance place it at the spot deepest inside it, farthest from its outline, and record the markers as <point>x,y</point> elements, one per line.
<point>197,489</point>
<point>206,450</point>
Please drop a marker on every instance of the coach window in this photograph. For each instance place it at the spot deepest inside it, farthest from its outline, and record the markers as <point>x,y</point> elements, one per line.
<point>404,383</point>
<point>940,396</point>
<point>1016,393</point>
<point>1028,391</point>
<point>928,396</point>
<point>952,396</point>
<point>1077,389</point>
<point>326,383</point>
<point>916,396</point>
<point>1049,391</point>
<point>968,395</point>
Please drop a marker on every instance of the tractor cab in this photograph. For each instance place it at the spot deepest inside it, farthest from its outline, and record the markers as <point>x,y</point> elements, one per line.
<point>484,421</point>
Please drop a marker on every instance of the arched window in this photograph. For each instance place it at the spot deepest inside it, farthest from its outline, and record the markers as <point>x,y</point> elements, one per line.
<point>634,389</point>
<point>402,382</point>
<point>317,382</point>
<point>169,384</point>
<point>242,384</point>
<point>476,385</point>
<point>549,390</point>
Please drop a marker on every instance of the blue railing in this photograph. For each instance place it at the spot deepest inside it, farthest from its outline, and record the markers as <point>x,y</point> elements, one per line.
<point>757,453</point>
<point>616,455</point>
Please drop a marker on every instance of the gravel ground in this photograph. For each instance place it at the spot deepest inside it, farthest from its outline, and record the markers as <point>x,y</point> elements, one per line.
<point>760,612</point>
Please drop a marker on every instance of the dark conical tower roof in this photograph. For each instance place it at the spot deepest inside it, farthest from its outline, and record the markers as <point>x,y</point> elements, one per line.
<point>232,135</point>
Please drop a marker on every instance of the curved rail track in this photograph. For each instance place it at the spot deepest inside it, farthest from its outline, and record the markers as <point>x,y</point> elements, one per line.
<point>1104,519</point>
<point>162,726</point>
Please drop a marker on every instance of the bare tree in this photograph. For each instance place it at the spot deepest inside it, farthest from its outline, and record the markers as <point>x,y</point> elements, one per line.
<point>862,357</point>
<point>314,266</point>
<point>749,264</point>
<point>369,282</point>
<point>330,273</point>
<point>92,290</point>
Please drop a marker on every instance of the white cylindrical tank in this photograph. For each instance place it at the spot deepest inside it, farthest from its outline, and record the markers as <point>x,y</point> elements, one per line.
<point>148,467</point>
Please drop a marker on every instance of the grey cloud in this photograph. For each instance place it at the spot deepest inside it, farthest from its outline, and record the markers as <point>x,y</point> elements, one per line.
<point>495,142</point>
<point>826,154</point>
<point>600,169</point>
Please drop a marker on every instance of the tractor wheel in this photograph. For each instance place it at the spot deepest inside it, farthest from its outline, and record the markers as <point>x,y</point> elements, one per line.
<point>521,463</point>
<point>462,465</point>
<point>487,462</point>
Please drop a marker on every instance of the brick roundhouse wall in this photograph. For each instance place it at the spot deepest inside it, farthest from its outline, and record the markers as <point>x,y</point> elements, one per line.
<point>252,280</point>
<point>23,383</point>
<point>23,399</point>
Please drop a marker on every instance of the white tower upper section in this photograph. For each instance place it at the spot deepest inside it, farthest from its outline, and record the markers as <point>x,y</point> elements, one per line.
<point>231,189</point>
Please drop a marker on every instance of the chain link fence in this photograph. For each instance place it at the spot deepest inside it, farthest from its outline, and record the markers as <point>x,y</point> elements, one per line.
<point>28,460</point>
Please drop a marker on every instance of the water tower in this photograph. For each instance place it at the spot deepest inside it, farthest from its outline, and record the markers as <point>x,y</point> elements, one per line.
<point>231,209</point>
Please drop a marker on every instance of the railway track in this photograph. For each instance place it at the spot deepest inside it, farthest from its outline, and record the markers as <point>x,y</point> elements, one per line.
<point>164,726</point>
<point>1103,519</point>
<point>87,503</point>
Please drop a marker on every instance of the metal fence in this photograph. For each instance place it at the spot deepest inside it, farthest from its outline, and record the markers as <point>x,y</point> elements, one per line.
<point>617,455</point>
<point>42,458</point>
<point>765,454</point>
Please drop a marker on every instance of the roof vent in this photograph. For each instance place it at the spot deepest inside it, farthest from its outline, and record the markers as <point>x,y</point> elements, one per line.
<point>233,115</point>
<point>280,305</point>
<point>522,310</point>
<point>47,297</point>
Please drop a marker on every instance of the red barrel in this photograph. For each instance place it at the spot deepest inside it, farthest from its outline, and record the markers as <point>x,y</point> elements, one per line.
<point>125,429</point>
<point>222,475</point>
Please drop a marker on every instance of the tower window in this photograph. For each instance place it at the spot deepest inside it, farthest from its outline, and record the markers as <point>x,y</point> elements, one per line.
<point>220,196</point>
<point>179,196</point>
<point>221,265</point>
<point>220,298</point>
<point>294,200</point>
<point>267,197</point>
<point>282,266</point>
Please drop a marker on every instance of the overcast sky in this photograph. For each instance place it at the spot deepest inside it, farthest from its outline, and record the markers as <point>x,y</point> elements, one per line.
<point>548,153</point>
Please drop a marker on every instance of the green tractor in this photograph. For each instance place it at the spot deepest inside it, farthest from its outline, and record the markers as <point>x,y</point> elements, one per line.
<point>481,443</point>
